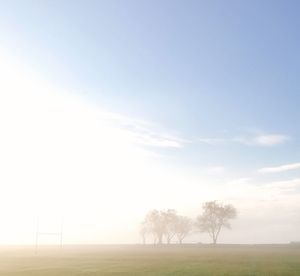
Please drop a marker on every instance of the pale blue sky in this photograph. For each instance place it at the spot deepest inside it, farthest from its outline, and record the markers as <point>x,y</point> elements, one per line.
<point>205,69</point>
<point>221,75</point>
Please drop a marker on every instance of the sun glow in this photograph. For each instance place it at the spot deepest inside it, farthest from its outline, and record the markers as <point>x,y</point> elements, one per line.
<point>60,155</point>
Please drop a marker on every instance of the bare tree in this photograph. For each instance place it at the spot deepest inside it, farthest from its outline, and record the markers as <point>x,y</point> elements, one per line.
<point>169,219</point>
<point>183,227</point>
<point>155,224</point>
<point>165,224</point>
<point>215,216</point>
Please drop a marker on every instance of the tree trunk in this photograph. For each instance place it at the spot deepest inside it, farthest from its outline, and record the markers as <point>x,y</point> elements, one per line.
<point>215,240</point>
<point>160,239</point>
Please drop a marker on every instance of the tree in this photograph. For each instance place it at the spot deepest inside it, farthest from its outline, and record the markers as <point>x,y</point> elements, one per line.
<point>183,227</point>
<point>165,224</point>
<point>155,224</point>
<point>215,216</point>
<point>170,220</point>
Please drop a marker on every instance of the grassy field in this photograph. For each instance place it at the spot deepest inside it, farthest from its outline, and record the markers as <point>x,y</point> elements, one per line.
<point>149,260</point>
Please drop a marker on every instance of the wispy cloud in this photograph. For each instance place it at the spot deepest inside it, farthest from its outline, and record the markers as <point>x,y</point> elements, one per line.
<point>279,169</point>
<point>250,189</point>
<point>262,140</point>
<point>144,132</point>
<point>285,185</point>
<point>265,140</point>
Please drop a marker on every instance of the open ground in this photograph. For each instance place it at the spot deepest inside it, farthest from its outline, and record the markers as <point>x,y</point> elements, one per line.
<point>151,260</point>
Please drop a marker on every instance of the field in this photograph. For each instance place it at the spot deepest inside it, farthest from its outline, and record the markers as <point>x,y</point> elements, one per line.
<point>150,260</point>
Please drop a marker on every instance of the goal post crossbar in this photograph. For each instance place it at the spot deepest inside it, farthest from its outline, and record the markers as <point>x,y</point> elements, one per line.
<point>39,233</point>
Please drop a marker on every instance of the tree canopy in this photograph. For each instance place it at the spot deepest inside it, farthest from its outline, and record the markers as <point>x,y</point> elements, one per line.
<point>215,216</point>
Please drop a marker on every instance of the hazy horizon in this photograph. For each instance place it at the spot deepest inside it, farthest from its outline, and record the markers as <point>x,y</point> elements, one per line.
<point>112,109</point>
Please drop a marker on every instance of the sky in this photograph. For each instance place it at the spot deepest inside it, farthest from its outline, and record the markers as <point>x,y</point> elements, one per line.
<point>109,109</point>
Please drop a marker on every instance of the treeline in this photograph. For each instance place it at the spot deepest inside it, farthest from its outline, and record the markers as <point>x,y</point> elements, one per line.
<point>167,226</point>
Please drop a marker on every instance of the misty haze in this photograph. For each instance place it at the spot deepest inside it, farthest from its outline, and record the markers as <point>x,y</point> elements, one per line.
<point>149,137</point>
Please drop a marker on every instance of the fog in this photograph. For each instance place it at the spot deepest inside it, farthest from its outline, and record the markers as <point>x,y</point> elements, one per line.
<point>63,155</point>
